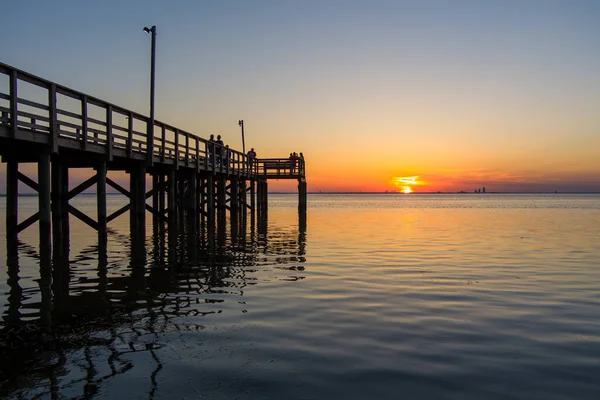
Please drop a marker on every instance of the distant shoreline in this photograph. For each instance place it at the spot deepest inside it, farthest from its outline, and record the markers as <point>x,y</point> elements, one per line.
<point>381,193</point>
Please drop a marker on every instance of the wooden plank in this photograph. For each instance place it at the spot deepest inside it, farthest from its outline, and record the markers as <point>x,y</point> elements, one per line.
<point>109,134</point>
<point>33,104</point>
<point>53,118</point>
<point>68,113</point>
<point>28,181</point>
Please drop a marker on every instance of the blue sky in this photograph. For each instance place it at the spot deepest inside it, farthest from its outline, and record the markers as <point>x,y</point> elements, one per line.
<point>504,92</point>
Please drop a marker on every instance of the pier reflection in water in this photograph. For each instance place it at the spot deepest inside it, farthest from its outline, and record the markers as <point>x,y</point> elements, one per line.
<point>95,311</point>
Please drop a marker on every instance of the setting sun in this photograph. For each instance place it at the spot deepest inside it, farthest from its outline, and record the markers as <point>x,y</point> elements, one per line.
<point>404,184</point>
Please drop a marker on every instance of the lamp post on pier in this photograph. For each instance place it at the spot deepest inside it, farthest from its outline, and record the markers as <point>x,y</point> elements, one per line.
<point>241,123</point>
<point>150,133</point>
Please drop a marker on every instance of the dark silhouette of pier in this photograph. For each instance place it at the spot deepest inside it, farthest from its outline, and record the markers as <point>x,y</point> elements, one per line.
<point>196,183</point>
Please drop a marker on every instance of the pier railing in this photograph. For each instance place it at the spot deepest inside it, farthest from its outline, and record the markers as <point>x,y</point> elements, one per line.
<point>41,111</point>
<point>280,168</point>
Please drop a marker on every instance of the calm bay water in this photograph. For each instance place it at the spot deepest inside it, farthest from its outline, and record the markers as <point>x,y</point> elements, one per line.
<point>378,296</point>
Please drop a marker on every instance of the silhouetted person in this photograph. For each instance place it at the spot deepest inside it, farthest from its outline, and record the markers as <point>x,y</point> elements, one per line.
<point>293,160</point>
<point>219,150</point>
<point>251,157</point>
<point>301,163</point>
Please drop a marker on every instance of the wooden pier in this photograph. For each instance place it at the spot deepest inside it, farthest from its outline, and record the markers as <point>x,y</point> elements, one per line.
<point>195,181</point>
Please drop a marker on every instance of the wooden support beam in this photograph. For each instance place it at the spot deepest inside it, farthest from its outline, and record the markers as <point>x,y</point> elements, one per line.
<point>118,187</point>
<point>82,217</point>
<point>56,199</point>
<point>234,203</point>
<point>81,187</point>
<point>45,222</point>
<point>12,198</point>
<point>28,181</point>
<point>210,201</point>
<point>118,213</point>
<point>161,193</point>
<point>64,182</point>
<point>101,197</point>
<point>28,222</point>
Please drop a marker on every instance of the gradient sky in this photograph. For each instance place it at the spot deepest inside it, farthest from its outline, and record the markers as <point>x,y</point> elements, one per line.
<point>460,94</point>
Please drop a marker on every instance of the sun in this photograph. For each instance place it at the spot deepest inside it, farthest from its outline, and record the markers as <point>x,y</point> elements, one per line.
<point>404,184</point>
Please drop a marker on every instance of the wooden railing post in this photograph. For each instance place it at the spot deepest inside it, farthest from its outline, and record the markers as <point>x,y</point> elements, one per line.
<point>13,103</point>
<point>197,153</point>
<point>163,144</point>
<point>84,131</point>
<point>150,141</point>
<point>187,149</point>
<point>176,159</point>
<point>109,133</point>
<point>130,134</point>
<point>53,118</point>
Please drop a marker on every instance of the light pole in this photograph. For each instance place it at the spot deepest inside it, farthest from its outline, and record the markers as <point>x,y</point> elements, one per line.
<point>241,123</point>
<point>150,138</point>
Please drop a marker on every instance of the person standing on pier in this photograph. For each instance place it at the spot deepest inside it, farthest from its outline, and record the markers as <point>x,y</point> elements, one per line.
<point>293,161</point>
<point>219,149</point>
<point>251,157</point>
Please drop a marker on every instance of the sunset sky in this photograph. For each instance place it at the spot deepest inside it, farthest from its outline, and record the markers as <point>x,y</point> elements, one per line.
<point>378,95</point>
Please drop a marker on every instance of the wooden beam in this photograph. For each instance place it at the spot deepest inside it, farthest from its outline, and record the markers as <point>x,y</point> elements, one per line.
<point>84,218</point>
<point>12,198</point>
<point>81,187</point>
<point>118,187</point>
<point>101,196</point>
<point>28,181</point>
<point>119,212</point>
<point>28,222</point>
